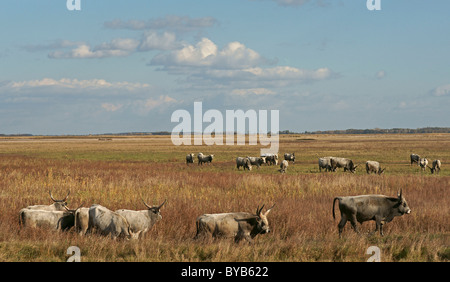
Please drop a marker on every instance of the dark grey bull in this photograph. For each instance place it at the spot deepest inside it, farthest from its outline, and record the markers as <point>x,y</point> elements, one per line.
<point>362,208</point>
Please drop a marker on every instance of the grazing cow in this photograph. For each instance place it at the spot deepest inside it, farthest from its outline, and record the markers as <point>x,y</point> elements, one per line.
<point>244,162</point>
<point>190,159</point>
<point>258,161</point>
<point>142,221</point>
<point>81,220</point>
<point>423,163</point>
<point>204,159</point>
<point>58,205</point>
<point>347,164</point>
<point>436,167</point>
<point>107,222</point>
<point>362,208</point>
<point>271,159</point>
<point>283,166</point>
<point>414,159</point>
<point>289,157</point>
<point>57,220</point>
<point>374,167</point>
<point>237,225</point>
<point>325,163</point>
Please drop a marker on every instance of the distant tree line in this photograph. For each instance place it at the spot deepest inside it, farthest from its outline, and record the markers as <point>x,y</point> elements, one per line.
<point>378,131</point>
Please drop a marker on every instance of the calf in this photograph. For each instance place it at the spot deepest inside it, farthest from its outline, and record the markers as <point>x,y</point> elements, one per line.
<point>362,208</point>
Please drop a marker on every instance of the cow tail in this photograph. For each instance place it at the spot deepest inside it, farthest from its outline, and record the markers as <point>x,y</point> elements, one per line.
<point>334,201</point>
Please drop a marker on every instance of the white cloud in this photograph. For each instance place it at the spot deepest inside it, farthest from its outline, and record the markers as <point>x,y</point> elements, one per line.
<point>441,90</point>
<point>153,40</point>
<point>109,107</point>
<point>253,91</point>
<point>380,74</point>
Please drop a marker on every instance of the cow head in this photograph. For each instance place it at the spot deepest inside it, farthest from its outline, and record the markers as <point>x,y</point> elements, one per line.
<point>353,168</point>
<point>59,204</point>
<point>153,211</point>
<point>402,205</point>
<point>262,222</point>
<point>380,171</point>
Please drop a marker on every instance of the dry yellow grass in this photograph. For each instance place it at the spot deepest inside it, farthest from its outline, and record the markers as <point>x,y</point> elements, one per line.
<point>118,173</point>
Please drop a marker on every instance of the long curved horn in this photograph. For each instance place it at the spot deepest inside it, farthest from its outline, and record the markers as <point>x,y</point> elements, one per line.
<point>258,210</point>
<point>267,212</point>
<point>68,193</point>
<point>50,192</point>
<point>149,207</point>
<point>162,204</point>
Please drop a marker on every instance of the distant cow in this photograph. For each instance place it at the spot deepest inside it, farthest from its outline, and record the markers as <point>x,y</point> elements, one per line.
<point>142,221</point>
<point>347,164</point>
<point>436,167</point>
<point>258,161</point>
<point>325,163</point>
<point>289,157</point>
<point>107,222</point>
<point>283,166</point>
<point>271,159</point>
<point>374,167</point>
<point>57,220</point>
<point>237,225</point>
<point>190,159</point>
<point>204,159</point>
<point>414,158</point>
<point>423,163</point>
<point>58,205</point>
<point>244,162</point>
<point>379,208</point>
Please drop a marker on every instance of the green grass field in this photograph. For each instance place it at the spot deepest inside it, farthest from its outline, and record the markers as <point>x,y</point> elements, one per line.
<point>117,173</point>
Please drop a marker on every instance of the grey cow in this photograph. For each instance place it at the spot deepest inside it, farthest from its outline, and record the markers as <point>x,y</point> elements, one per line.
<point>374,167</point>
<point>258,161</point>
<point>325,163</point>
<point>362,208</point>
<point>190,158</point>
<point>244,162</point>
<point>237,225</point>
<point>423,163</point>
<point>57,220</point>
<point>347,164</point>
<point>436,167</point>
<point>414,158</point>
<point>142,221</point>
<point>289,157</point>
<point>204,159</point>
<point>107,222</point>
<point>283,166</point>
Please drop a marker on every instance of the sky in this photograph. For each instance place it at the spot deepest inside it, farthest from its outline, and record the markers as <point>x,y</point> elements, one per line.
<point>127,66</point>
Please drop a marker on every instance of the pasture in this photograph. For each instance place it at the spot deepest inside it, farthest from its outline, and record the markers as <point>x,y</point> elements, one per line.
<point>117,173</point>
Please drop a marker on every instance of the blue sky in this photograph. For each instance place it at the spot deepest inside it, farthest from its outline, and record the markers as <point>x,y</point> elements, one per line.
<point>120,66</point>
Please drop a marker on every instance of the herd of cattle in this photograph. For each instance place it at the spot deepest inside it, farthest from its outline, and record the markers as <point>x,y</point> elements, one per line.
<point>132,224</point>
<point>326,163</point>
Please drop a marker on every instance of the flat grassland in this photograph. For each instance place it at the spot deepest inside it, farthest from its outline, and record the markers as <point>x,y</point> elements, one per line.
<point>116,173</point>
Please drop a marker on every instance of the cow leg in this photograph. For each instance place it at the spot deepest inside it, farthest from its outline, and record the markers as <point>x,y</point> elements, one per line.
<point>342,224</point>
<point>353,223</point>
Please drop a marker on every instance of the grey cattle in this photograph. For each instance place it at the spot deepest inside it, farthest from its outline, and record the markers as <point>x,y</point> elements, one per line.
<point>423,163</point>
<point>143,220</point>
<point>436,167</point>
<point>347,164</point>
<point>283,166</point>
<point>244,162</point>
<point>325,163</point>
<point>57,220</point>
<point>190,159</point>
<point>204,159</point>
<point>271,159</point>
<point>237,225</point>
<point>414,158</point>
<point>107,222</point>
<point>374,167</point>
<point>58,205</point>
<point>362,208</point>
<point>289,157</point>
<point>81,224</point>
<point>258,161</point>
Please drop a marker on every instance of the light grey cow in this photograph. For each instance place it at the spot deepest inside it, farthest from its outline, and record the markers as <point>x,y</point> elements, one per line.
<point>237,225</point>
<point>436,167</point>
<point>347,164</point>
<point>109,223</point>
<point>271,159</point>
<point>362,208</point>
<point>258,161</point>
<point>58,205</point>
<point>143,220</point>
<point>204,159</point>
<point>289,157</point>
<point>423,163</point>
<point>244,162</point>
<point>325,163</point>
<point>81,220</point>
<point>56,220</point>
<point>374,167</point>
<point>283,166</point>
<point>190,158</point>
